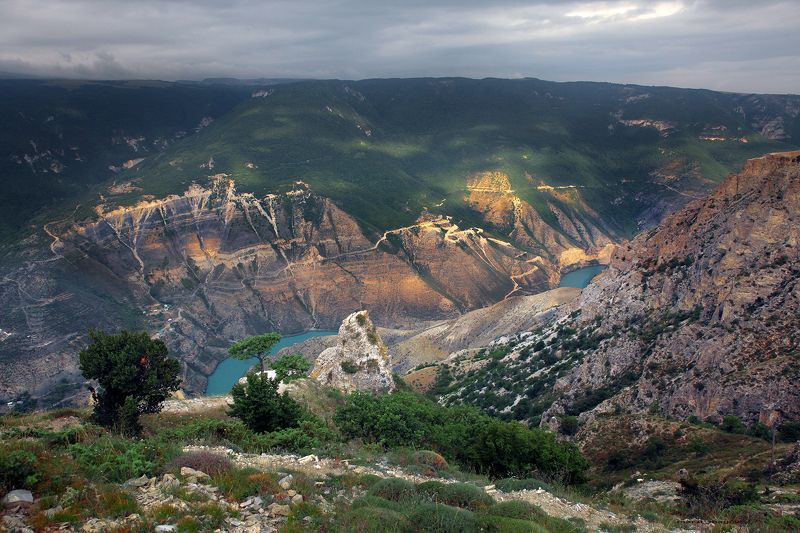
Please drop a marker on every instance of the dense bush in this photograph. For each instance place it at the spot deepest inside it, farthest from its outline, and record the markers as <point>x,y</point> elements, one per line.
<point>259,405</point>
<point>290,367</point>
<point>732,424</point>
<point>569,425</point>
<point>134,373</point>
<point>475,440</point>
<point>17,469</point>
<point>789,431</point>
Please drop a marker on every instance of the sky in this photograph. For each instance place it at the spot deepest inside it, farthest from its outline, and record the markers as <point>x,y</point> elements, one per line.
<point>731,45</point>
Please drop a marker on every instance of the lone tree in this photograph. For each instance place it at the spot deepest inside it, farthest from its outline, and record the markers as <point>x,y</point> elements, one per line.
<point>134,374</point>
<point>258,347</point>
<point>290,367</point>
<point>262,409</point>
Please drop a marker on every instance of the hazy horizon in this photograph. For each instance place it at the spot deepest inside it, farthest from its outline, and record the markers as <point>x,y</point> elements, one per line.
<point>722,45</point>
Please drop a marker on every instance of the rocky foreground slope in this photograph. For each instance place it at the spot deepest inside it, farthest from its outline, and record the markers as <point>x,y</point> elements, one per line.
<point>697,317</point>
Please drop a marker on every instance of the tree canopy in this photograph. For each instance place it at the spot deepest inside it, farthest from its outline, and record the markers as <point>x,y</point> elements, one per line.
<point>258,346</point>
<point>135,375</point>
<point>290,367</point>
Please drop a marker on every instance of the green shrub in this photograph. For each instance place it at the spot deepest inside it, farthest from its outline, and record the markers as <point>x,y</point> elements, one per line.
<point>476,441</point>
<point>374,520</point>
<point>437,518</point>
<point>377,501</point>
<point>569,425</point>
<point>17,469</point>
<point>789,431</point>
<point>699,446</point>
<point>290,367</point>
<point>117,459</point>
<point>393,488</point>
<point>462,495</point>
<point>732,424</point>
<point>261,408</point>
<point>349,367</point>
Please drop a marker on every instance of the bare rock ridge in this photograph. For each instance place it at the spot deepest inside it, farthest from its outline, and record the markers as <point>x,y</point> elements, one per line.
<point>205,268</point>
<point>701,316</point>
<point>359,361</point>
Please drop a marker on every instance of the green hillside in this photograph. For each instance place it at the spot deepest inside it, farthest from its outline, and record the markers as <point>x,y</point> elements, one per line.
<point>382,149</point>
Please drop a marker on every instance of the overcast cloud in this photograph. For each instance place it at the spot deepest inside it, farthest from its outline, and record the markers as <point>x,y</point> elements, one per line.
<point>736,45</point>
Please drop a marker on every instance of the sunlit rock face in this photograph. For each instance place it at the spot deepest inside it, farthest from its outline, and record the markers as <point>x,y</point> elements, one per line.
<point>211,266</point>
<point>359,361</point>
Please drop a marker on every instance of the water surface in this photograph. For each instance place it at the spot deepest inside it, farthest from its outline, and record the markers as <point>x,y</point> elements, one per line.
<point>230,370</point>
<point>580,278</point>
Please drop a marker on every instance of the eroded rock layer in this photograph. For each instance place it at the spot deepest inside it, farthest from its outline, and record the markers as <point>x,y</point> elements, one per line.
<point>213,265</point>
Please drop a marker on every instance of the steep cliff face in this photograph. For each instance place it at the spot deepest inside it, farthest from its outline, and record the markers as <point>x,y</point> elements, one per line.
<point>705,307</point>
<point>213,265</point>
<point>699,316</point>
<point>359,360</point>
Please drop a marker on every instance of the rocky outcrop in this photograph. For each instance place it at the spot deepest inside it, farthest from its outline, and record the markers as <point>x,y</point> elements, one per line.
<point>359,361</point>
<point>701,316</point>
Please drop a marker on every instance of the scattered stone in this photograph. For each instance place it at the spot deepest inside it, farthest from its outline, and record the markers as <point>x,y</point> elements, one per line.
<point>286,482</point>
<point>169,482</point>
<point>166,527</point>
<point>297,498</point>
<point>291,493</point>
<point>308,459</point>
<point>14,523</point>
<point>18,496</point>
<point>50,513</point>
<point>137,481</point>
<point>280,510</point>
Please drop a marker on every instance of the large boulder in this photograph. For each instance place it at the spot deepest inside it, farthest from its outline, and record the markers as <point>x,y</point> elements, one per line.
<point>359,361</point>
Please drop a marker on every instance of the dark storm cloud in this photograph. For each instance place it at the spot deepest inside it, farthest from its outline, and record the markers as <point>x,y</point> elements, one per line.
<point>722,44</point>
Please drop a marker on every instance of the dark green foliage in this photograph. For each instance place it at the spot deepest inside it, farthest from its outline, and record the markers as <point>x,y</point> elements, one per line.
<point>134,373</point>
<point>261,408</point>
<point>732,424</point>
<point>17,469</point>
<point>569,425</point>
<point>475,440</point>
<point>789,431</point>
<point>258,346</point>
<point>436,518</point>
<point>699,446</point>
<point>290,367</point>
<point>349,367</point>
